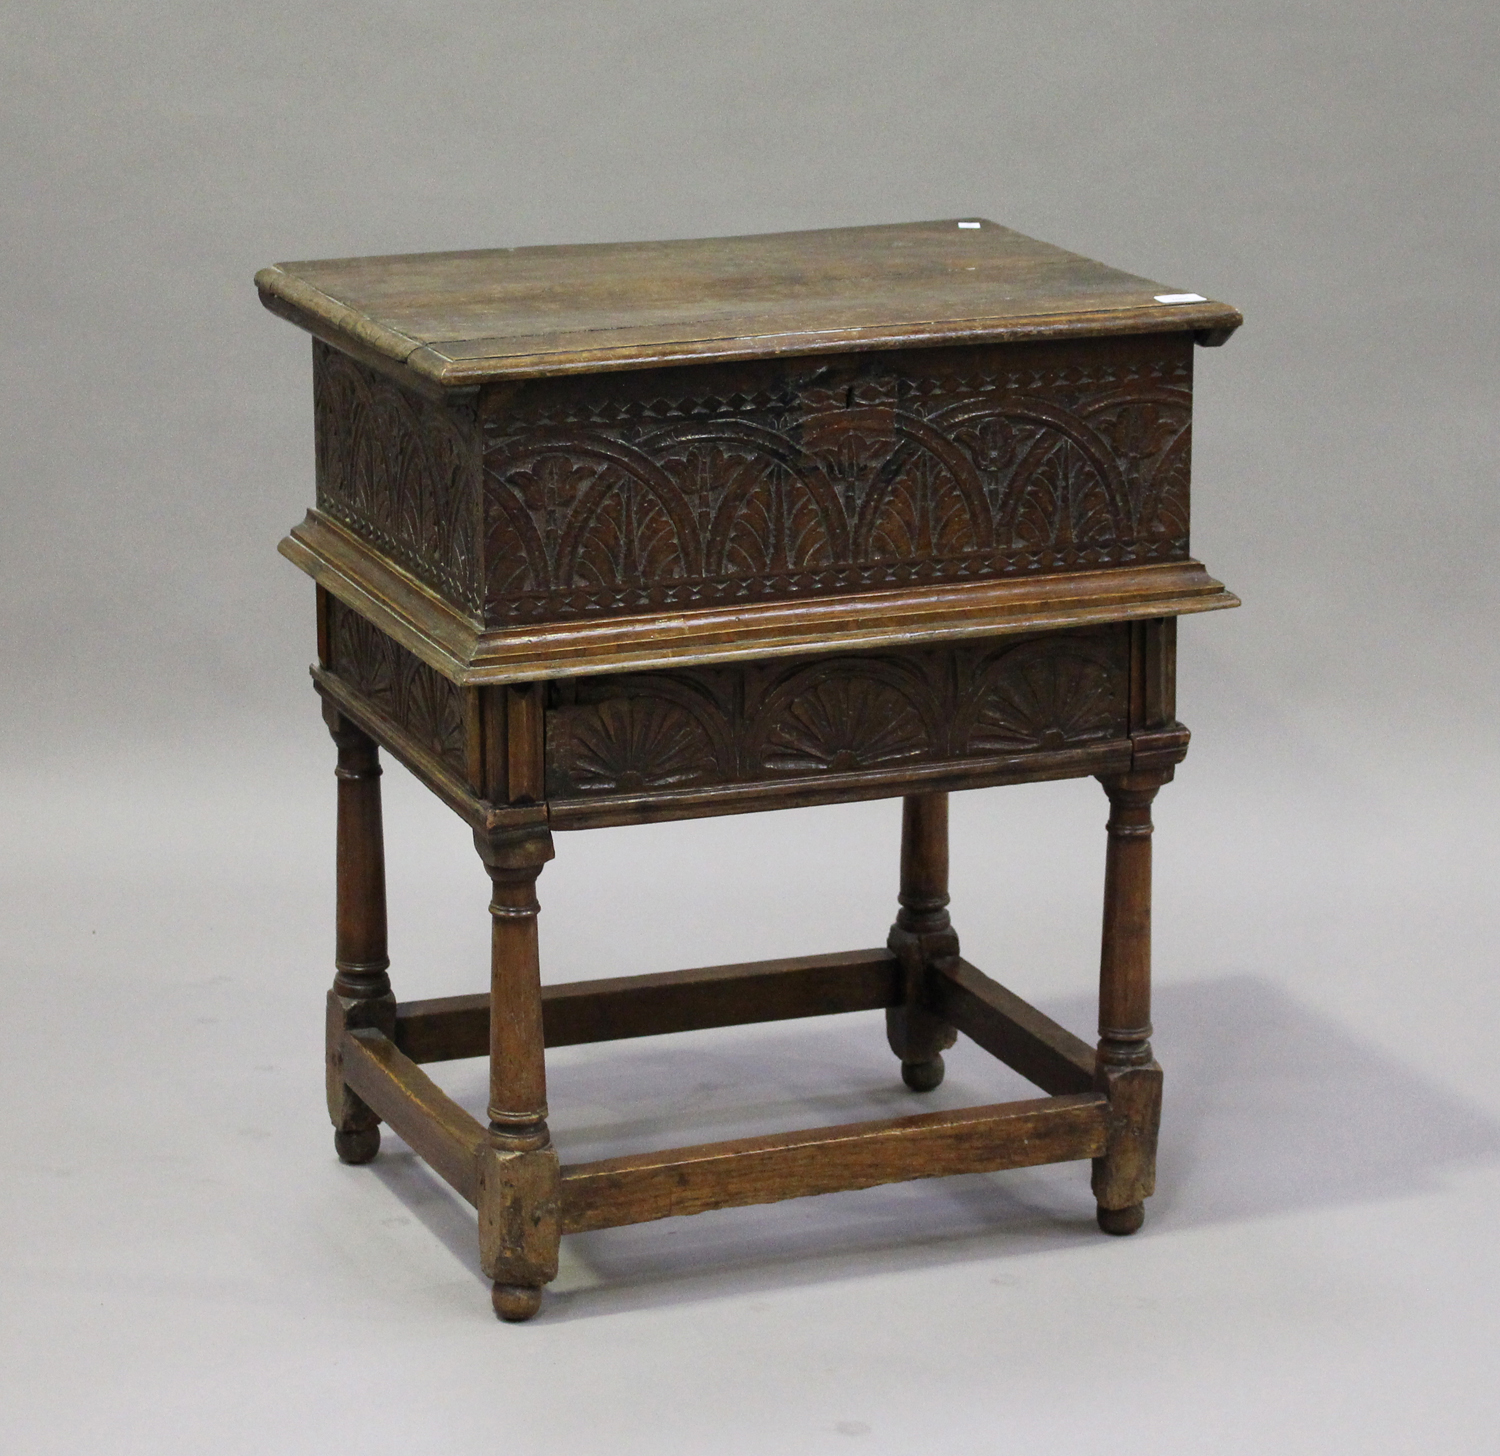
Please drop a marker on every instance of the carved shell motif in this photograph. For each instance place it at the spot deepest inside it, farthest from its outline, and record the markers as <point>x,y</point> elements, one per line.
<point>838,719</point>
<point>624,745</point>
<point>1041,697</point>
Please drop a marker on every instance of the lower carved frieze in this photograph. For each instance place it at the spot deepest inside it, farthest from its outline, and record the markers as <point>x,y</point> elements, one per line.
<point>797,720</point>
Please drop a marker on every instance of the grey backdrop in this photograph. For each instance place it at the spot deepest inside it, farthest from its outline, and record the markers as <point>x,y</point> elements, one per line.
<point>185,1267</point>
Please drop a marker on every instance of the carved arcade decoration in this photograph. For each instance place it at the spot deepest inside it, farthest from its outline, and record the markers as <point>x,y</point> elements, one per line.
<point>706,487</point>
<point>774,481</point>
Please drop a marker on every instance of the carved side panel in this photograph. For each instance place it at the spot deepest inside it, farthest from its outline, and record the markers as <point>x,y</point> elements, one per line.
<point>399,686</point>
<point>401,472</point>
<point>742,483</point>
<point>811,719</point>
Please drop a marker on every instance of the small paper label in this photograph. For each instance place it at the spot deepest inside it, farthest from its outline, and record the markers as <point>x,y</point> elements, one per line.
<point>968,224</point>
<point>1180,298</point>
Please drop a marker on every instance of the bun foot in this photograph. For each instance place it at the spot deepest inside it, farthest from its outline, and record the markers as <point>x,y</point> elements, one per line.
<point>1122,1220</point>
<point>357,1147</point>
<point>923,1076</point>
<point>515,1302</point>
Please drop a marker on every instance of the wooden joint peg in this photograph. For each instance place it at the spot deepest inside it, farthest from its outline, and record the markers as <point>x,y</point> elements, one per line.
<point>1125,1070</point>
<point>922,940</point>
<point>361,994</point>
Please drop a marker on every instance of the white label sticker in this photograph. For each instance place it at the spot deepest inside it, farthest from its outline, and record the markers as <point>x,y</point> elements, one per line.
<point>1180,298</point>
<point>968,224</point>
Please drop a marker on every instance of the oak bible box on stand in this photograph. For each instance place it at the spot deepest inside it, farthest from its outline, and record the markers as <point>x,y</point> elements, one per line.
<point>613,534</point>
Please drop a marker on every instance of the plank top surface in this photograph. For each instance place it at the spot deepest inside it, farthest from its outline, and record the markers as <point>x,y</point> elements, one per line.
<point>460,319</point>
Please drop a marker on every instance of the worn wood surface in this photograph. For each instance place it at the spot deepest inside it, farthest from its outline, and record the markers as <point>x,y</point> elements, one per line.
<point>635,747</point>
<point>518,1073</point>
<point>448,639</point>
<point>671,495</point>
<point>774,501</point>
<point>649,1186</point>
<point>922,940</point>
<point>619,1007</point>
<point>519,1225</point>
<point>404,1096</point>
<point>464,318</point>
<point>1011,1029</point>
<point>1124,1176</point>
<point>361,994</point>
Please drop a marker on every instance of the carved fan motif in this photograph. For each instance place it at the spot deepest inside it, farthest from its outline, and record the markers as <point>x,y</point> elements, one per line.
<point>766,492</point>
<point>1163,510</point>
<point>839,719</point>
<point>431,708</point>
<point>852,461</point>
<point>1047,696</point>
<point>623,745</point>
<point>360,656</point>
<point>670,730</point>
<point>621,535</point>
<point>398,685</point>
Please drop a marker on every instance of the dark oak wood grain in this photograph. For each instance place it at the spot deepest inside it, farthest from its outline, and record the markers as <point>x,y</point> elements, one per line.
<point>457,319</point>
<point>1125,1175</point>
<point>361,993</point>
<point>922,940</point>
<point>446,637</point>
<point>403,1095</point>
<point>1007,1027</point>
<point>619,1007</point>
<point>648,1186</point>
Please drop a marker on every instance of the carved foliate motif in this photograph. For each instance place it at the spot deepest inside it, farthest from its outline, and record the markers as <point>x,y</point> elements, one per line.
<point>818,717</point>
<point>744,483</point>
<point>400,471</point>
<point>397,684</point>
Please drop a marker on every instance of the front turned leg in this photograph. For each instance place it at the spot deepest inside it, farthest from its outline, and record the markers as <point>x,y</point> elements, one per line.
<point>921,938</point>
<point>361,994</point>
<point>1124,1069</point>
<point>518,1172</point>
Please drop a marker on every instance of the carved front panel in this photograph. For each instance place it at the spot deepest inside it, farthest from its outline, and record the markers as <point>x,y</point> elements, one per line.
<point>798,721</point>
<point>401,472</point>
<point>400,687</point>
<point>786,479</point>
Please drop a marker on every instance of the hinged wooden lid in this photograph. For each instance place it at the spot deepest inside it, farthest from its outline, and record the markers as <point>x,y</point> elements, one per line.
<point>461,319</point>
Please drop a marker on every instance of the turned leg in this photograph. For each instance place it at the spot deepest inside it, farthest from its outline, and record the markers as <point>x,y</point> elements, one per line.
<point>361,994</point>
<point>1126,1175</point>
<point>922,937</point>
<point>518,1174</point>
